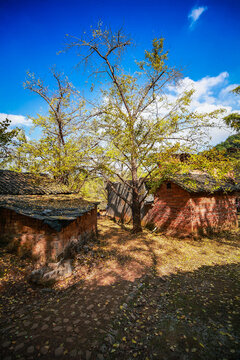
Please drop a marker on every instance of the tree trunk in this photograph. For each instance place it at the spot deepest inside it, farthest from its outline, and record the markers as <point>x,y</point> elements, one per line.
<point>136,204</point>
<point>64,178</point>
<point>136,212</point>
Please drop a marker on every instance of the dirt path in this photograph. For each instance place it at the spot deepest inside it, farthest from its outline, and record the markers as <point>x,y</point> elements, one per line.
<point>107,308</point>
<point>73,319</point>
<point>71,322</point>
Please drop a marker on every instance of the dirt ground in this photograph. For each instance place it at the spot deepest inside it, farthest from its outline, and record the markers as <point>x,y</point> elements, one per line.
<point>131,296</point>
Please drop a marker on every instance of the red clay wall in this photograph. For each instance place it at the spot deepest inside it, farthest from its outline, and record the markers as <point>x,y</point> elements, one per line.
<point>216,212</point>
<point>38,239</point>
<point>180,213</point>
<point>171,210</point>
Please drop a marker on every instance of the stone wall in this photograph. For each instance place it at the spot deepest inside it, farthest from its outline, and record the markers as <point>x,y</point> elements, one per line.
<point>180,213</point>
<point>29,236</point>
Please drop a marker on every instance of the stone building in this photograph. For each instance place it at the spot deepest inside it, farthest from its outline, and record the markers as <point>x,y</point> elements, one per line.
<point>41,218</point>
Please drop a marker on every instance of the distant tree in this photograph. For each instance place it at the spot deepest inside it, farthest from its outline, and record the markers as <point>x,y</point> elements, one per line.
<point>61,148</point>
<point>232,142</point>
<point>136,121</point>
<point>233,120</point>
<point>6,139</point>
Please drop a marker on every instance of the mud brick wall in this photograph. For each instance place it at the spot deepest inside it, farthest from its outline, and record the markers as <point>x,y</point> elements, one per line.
<point>32,237</point>
<point>217,212</point>
<point>180,213</point>
<point>171,211</point>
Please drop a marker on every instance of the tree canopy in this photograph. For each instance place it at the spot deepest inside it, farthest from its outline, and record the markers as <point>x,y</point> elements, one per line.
<point>233,120</point>
<point>131,127</point>
<point>138,123</point>
<point>61,148</point>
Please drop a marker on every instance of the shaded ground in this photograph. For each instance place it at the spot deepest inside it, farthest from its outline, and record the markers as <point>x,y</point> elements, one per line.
<point>186,316</point>
<point>144,297</point>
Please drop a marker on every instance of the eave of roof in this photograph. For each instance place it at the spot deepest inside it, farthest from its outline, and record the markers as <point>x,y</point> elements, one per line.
<point>204,183</point>
<point>55,210</point>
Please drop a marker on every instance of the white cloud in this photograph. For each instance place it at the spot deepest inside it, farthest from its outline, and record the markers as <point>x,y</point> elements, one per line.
<point>211,93</point>
<point>228,89</point>
<point>204,88</point>
<point>219,135</point>
<point>195,14</point>
<point>16,119</point>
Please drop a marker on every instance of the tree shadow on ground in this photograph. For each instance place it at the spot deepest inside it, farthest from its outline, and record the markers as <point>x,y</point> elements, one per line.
<point>134,313</point>
<point>192,315</point>
<point>230,238</point>
<point>164,254</point>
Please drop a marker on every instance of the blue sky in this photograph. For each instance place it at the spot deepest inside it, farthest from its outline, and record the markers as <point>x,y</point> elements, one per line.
<point>202,37</point>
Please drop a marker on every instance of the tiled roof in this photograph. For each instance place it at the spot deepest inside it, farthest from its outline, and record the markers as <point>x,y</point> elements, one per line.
<point>39,197</point>
<point>201,182</point>
<point>15,183</point>
<point>55,210</point>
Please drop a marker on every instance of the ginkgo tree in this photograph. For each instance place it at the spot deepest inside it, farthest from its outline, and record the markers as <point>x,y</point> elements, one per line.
<point>137,124</point>
<point>61,148</point>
